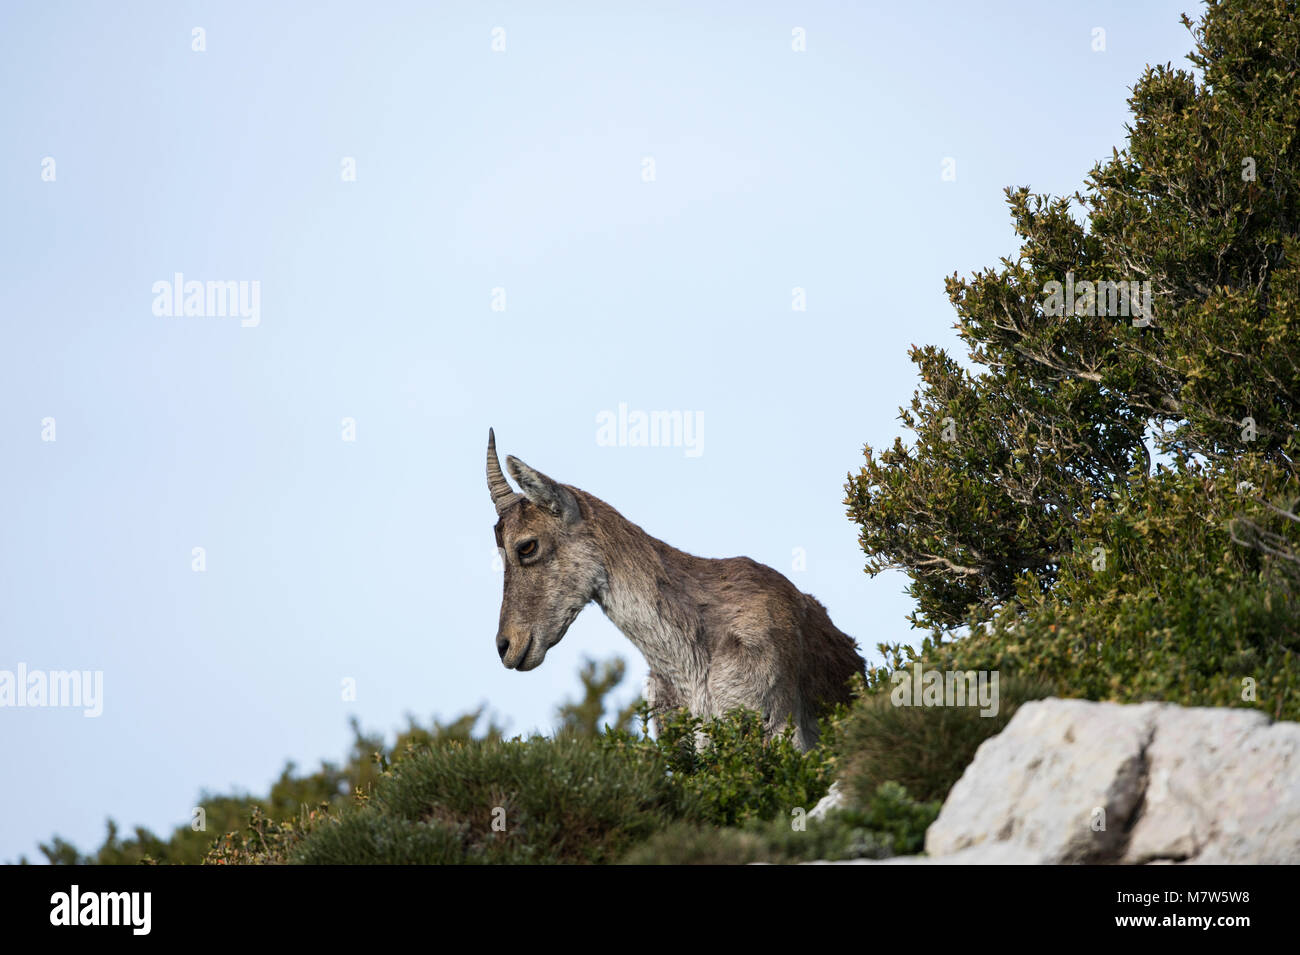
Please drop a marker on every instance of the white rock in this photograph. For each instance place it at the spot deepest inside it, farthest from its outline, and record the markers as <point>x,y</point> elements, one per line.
<point>1223,787</point>
<point>1075,781</point>
<point>834,799</point>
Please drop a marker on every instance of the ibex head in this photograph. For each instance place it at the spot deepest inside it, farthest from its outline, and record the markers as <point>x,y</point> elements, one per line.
<point>551,560</point>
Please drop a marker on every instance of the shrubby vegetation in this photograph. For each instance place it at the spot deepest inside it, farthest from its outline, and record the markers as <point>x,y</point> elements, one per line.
<point>925,749</point>
<point>572,798</point>
<point>1108,506</point>
<point>577,797</point>
<point>293,798</point>
<point>889,823</point>
<point>700,790</point>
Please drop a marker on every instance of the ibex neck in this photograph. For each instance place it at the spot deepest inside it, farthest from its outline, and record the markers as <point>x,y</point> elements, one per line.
<point>649,595</point>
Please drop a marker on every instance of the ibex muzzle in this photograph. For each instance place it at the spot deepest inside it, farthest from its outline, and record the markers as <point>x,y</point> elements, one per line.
<point>718,634</point>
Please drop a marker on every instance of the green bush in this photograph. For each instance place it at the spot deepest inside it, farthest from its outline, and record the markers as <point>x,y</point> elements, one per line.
<point>240,827</point>
<point>924,748</point>
<point>585,795</point>
<point>889,823</point>
<point>539,800</point>
<point>725,772</point>
<point>1177,611</point>
<point>1109,505</point>
<point>704,791</point>
<point>574,798</point>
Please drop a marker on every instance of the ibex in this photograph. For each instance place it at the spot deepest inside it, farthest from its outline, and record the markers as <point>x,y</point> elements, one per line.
<point>718,634</point>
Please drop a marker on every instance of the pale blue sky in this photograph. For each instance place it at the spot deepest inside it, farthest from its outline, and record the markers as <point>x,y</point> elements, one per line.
<point>476,169</point>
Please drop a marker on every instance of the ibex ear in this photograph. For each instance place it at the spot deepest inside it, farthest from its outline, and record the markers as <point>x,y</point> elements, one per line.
<point>547,494</point>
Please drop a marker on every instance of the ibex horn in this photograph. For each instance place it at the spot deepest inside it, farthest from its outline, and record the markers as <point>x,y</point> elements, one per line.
<point>502,495</point>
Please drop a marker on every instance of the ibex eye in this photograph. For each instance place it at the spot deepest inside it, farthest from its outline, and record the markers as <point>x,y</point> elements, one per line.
<point>527,549</point>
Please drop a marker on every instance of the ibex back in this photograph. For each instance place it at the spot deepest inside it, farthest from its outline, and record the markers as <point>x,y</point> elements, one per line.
<point>718,634</point>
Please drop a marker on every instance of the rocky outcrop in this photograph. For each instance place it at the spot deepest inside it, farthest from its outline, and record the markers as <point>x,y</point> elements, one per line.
<point>834,799</point>
<point>1071,781</point>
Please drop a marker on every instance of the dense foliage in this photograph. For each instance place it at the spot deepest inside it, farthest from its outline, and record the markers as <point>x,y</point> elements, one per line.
<point>1108,502</point>
<point>888,823</point>
<point>593,792</point>
<point>925,749</point>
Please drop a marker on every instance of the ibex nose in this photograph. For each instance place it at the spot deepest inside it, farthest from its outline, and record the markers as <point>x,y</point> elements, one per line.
<point>503,646</point>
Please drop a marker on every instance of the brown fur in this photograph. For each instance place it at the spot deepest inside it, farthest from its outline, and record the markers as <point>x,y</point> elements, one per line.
<point>718,634</point>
